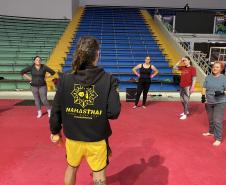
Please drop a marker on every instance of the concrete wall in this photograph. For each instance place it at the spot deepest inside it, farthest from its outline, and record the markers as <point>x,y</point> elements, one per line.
<point>59,9</point>
<point>211,4</point>
<point>75,5</point>
<point>55,9</point>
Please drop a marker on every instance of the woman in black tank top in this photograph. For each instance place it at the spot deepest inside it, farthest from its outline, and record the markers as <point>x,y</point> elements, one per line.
<point>145,75</point>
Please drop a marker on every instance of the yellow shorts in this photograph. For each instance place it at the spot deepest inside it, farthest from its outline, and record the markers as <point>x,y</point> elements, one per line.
<point>95,153</point>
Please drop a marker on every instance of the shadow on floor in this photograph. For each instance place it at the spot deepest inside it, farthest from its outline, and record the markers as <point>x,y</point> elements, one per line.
<point>151,172</point>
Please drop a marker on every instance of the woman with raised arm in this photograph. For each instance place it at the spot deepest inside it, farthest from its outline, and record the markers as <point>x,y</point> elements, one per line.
<point>144,79</point>
<point>187,83</point>
<point>213,93</point>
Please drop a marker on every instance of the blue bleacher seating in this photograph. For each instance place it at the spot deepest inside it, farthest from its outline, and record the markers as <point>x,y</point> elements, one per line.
<point>125,41</point>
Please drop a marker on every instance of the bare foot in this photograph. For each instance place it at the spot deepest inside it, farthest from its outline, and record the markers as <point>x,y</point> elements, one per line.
<point>217,143</point>
<point>207,134</point>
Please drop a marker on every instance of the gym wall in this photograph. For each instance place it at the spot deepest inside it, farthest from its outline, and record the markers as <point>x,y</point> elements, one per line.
<point>208,4</point>
<point>55,9</point>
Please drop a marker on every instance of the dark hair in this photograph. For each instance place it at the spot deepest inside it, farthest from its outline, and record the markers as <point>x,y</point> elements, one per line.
<point>37,57</point>
<point>187,57</point>
<point>86,53</point>
<point>148,56</point>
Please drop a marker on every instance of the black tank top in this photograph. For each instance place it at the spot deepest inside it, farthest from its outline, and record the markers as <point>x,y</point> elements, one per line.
<point>145,72</point>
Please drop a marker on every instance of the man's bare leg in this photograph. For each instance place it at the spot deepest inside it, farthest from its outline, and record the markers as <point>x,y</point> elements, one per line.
<point>70,175</point>
<point>99,178</point>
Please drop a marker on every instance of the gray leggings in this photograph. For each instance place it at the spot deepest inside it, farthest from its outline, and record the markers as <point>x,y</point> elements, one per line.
<point>185,97</point>
<point>40,95</point>
<point>215,114</point>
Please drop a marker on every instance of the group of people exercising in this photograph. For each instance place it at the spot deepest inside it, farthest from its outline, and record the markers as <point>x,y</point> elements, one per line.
<point>88,97</point>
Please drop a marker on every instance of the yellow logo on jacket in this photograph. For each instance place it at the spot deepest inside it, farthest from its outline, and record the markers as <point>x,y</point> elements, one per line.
<point>84,96</point>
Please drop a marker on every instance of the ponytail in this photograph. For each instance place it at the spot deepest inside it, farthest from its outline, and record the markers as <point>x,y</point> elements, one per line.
<point>86,53</point>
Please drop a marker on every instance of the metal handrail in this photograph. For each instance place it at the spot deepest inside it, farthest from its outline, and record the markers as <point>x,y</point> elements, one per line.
<point>197,56</point>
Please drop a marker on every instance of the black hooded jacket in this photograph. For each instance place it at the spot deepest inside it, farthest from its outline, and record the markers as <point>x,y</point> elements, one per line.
<point>38,76</point>
<point>83,104</point>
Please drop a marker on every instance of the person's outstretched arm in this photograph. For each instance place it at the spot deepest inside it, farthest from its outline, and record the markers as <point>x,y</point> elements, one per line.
<point>50,71</point>
<point>135,70</point>
<point>114,105</point>
<point>176,66</point>
<point>55,120</point>
<point>156,71</point>
<point>192,89</point>
<point>25,71</point>
<point>203,98</point>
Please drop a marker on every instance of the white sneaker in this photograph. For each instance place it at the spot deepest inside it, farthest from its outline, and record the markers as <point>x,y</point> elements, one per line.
<point>183,114</point>
<point>207,134</point>
<point>183,117</point>
<point>49,112</point>
<point>134,107</point>
<point>39,114</point>
<point>144,107</point>
<point>216,143</point>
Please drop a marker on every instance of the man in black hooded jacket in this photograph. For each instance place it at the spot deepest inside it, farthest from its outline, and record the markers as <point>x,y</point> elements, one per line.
<point>84,101</point>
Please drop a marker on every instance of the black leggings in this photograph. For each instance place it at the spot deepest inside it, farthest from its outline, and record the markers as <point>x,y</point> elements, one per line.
<point>142,86</point>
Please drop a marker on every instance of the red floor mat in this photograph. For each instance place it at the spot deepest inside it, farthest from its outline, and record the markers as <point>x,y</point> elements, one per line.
<point>150,147</point>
